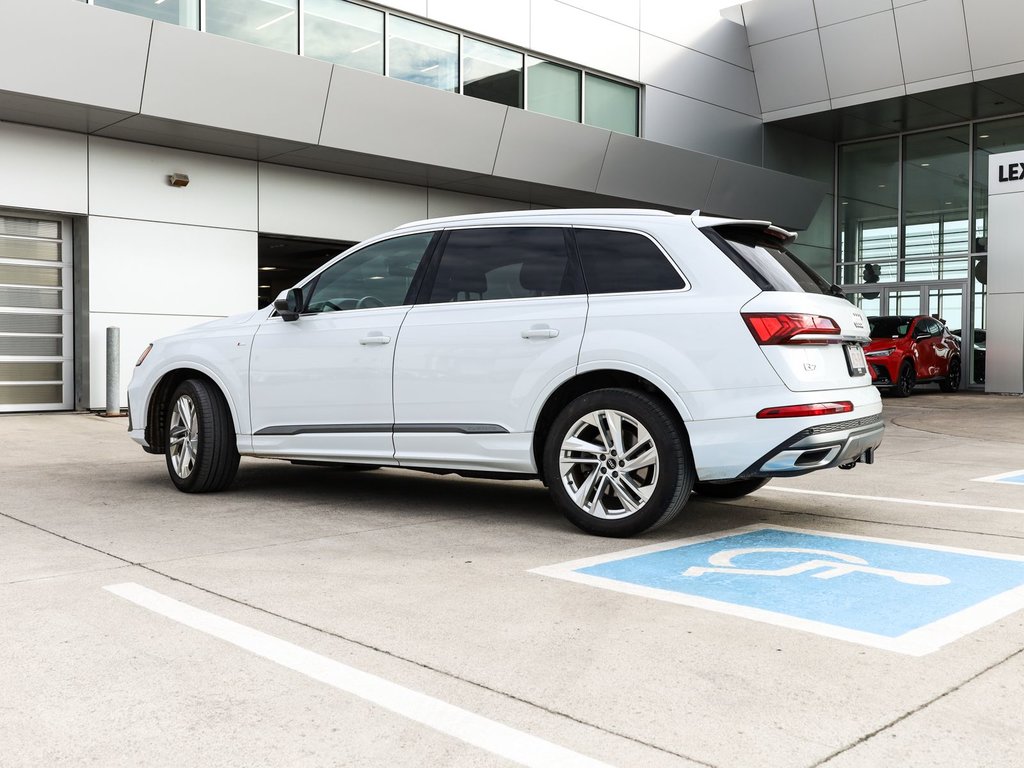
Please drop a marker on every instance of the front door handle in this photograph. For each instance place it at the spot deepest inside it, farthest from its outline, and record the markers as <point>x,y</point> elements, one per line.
<point>539,333</point>
<point>375,338</point>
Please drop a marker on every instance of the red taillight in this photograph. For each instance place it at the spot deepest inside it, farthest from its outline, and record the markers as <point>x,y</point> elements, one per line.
<point>810,409</point>
<point>787,327</point>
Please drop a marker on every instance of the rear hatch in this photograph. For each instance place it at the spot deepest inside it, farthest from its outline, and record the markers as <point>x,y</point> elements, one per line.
<point>810,334</point>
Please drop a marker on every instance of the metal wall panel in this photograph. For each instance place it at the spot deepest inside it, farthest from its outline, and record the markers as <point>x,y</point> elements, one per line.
<point>129,180</point>
<point>546,150</point>
<point>295,201</point>
<point>836,11</point>
<point>622,11</point>
<point>786,200</point>
<point>691,124</point>
<point>441,202</point>
<point>392,118</point>
<point>772,19</point>
<point>656,174</point>
<point>674,68</point>
<point>508,21</point>
<point>933,39</point>
<point>851,70</point>
<point>707,32</point>
<point>43,169</point>
<point>993,29</point>
<point>790,72</point>
<point>1004,356</point>
<point>213,81</point>
<point>72,52</point>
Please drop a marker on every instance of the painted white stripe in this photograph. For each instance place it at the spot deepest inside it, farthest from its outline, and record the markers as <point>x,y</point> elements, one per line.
<point>1000,478</point>
<point>891,500</point>
<point>517,746</point>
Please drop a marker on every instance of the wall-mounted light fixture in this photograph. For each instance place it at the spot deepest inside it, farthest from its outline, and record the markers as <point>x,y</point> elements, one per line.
<point>178,179</point>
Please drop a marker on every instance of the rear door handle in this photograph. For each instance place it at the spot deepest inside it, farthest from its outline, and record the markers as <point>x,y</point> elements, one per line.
<point>375,338</point>
<point>539,333</point>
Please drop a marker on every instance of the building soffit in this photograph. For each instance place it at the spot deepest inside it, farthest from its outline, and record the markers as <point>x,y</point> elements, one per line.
<point>175,87</point>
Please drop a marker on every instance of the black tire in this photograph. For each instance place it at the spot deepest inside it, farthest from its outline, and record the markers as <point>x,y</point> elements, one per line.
<point>733,489</point>
<point>952,381</point>
<point>905,381</point>
<point>657,489</point>
<point>202,456</point>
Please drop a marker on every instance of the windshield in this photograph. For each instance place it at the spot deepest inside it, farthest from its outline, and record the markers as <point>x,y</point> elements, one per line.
<point>889,327</point>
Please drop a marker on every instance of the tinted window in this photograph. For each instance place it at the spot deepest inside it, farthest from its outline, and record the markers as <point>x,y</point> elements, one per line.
<point>376,276</point>
<point>763,257</point>
<point>619,262</point>
<point>502,263</point>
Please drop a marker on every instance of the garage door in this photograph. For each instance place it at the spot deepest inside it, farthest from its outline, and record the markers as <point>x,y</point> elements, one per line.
<point>36,351</point>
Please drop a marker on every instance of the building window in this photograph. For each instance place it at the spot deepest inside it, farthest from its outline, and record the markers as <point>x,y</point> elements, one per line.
<point>423,54</point>
<point>183,13</point>
<point>344,33</point>
<point>492,73</point>
<point>611,105</point>
<point>553,90</point>
<point>270,23</point>
<point>869,211</point>
<point>990,138</point>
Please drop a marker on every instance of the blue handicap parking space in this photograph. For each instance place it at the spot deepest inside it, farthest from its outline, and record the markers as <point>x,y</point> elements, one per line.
<point>902,596</point>
<point>1009,478</point>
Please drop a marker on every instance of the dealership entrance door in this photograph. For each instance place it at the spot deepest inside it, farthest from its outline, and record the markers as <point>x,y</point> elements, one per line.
<point>948,300</point>
<point>36,339</point>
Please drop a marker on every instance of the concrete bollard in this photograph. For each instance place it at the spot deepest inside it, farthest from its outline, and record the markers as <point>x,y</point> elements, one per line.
<point>113,371</point>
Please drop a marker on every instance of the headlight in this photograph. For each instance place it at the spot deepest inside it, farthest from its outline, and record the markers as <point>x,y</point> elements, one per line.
<point>880,352</point>
<point>142,357</point>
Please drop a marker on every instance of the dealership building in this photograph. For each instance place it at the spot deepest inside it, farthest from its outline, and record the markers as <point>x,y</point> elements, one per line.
<point>166,162</point>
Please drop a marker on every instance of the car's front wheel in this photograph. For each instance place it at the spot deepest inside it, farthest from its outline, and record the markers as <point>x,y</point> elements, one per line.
<point>906,380</point>
<point>202,455</point>
<point>952,381</point>
<point>617,463</point>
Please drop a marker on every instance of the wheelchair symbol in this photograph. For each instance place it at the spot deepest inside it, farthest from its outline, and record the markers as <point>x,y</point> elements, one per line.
<point>841,564</point>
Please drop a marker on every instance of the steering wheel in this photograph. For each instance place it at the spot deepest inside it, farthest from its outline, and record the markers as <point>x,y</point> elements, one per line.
<point>369,301</point>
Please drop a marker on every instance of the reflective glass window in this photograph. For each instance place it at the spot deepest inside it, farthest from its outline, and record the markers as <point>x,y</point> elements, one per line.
<point>379,275</point>
<point>935,195</point>
<point>344,33</point>
<point>620,262</point>
<point>270,23</point>
<point>611,105</point>
<point>423,54</point>
<point>492,73</point>
<point>502,263</point>
<point>184,13</point>
<point>552,89</point>
<point>990,138</point>
<point>868,211</point>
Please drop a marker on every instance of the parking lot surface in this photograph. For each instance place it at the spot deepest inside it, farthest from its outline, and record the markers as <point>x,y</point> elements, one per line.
<point>320,617</point>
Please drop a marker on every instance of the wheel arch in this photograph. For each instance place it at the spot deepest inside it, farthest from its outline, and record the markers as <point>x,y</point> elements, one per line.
<point>159,404</point>
<point>601,378</point>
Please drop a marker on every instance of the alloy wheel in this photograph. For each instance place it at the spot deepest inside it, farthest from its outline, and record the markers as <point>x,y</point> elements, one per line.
<point>184,436</point>
<point>609,464</point>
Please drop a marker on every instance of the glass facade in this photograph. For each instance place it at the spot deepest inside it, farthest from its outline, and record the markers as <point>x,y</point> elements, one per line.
<point>912,226</point>
<point>383,43</point>
<point>344,33</point>
<point>270,23</point>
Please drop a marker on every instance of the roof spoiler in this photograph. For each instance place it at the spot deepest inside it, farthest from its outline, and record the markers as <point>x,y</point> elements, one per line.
<point>784,236</point>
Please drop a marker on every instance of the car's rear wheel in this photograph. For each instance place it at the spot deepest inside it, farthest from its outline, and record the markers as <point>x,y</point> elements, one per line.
<point>618,463</point>
<point>732,489</point>
<point>905,381</point>
<point>952,381</point>
<point>202,455</point>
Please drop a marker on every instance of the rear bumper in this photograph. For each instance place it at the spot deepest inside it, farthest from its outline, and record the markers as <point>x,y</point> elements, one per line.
<point>821,447</point>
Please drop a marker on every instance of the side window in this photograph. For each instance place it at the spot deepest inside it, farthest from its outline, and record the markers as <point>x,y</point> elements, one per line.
<point>621,262</point>
<point>378,275</point>
<point>502,263</point>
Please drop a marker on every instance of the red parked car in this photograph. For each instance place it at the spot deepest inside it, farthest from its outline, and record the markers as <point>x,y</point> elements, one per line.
<point>906,351</point>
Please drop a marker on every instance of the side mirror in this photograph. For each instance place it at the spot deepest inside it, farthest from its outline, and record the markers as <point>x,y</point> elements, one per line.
<point>289,304</point>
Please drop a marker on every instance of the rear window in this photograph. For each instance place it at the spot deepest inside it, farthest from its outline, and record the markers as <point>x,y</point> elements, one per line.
<point>624,262</point>
<point>765,260</point>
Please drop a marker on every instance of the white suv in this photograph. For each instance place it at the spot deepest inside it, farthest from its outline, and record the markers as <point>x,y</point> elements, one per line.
<point>624,358</point>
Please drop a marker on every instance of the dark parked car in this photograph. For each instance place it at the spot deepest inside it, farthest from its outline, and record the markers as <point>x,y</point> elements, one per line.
<point>909,350</point>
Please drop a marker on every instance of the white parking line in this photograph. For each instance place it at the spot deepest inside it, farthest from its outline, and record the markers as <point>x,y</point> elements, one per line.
<point>890,500</point>
<point>471,728</point>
